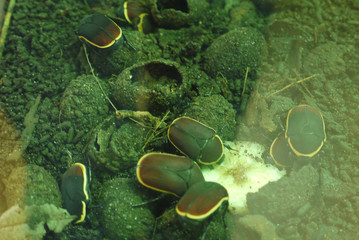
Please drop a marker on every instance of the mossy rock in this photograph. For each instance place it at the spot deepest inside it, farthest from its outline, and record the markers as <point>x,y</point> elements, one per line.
<point>120,220</point>
<point>216,112</point>
<point>231,53</point>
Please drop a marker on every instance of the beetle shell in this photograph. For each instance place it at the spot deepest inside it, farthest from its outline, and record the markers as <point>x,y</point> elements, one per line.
<point>99,31</point>
<point>305,130</point>
<point>131,11</point>
<point>75,191</point>
<point>281,152</point>
<point>168,173</point>
<point>196,140</point>
<point>145,23</point>
<point>201,200</point>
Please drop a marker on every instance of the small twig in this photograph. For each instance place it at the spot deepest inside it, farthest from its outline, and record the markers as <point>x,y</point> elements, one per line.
<point>6,25</point>
<point>291,84</point>
<point>303,84</point>
<point>138,122</point>
<point>139,117</point>
<point>245,81</point>
<point>2,11</point>
<point>223,77</point>
<point>153,134</point>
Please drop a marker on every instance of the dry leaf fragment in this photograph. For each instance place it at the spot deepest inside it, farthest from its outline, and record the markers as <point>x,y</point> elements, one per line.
<point>28,223</point>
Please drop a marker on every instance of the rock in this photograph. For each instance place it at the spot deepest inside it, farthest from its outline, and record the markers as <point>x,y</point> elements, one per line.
<point>177,14</point>
<point>334,190</point>
<point>176,44</point>
<point>327,57</point>
<point>246,226</point>
<point>216,112</point>
<point>231,53</point>
<point>279,5</point>
<point>281,200</point>
<point>121,220</point>
<point>171,226</point>
<point>116,145</point>
<point>153,86</point>
<point>244,14</point>
<point>83,103</point>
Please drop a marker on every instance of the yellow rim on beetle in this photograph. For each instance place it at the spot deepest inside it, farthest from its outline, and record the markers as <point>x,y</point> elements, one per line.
<point>99,31</point>
<point>201,200</point>
<point>75,191</point>
<point>305,130</point>
<point>281,152</point>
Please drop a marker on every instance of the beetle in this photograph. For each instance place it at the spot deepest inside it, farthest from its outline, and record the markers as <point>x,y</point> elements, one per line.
<point>281,152</point>
<point>75,191</point>
<point>130,11</point>
<point>201,200</point>
<point>196,140</point>
<point>168,173</point>
<point>100,31</point>
<point>305,130</point>
<point>144,23</point>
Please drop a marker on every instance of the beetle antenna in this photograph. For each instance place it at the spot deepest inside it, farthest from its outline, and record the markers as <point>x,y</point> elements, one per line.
<point>154,229</point>
<point>97,80</point>
<point>129,44</point>
<point>291,84</point>
<point>149,201</point>
<point>89,170</point>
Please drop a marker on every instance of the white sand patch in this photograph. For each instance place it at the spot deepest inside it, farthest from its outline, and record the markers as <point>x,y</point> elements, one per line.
<point>242,171</point>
